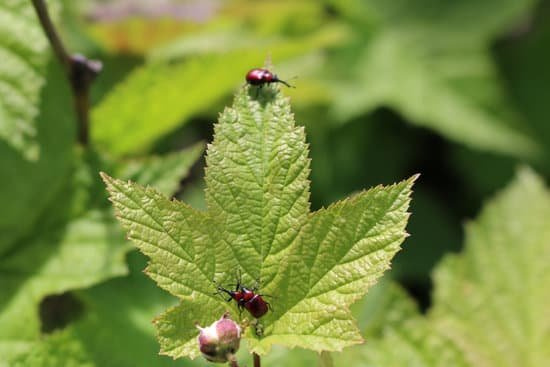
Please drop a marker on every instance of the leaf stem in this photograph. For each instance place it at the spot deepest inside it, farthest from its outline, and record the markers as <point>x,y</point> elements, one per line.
<point>80,71</point>
<point>325,360</point>
<point>257,362</point>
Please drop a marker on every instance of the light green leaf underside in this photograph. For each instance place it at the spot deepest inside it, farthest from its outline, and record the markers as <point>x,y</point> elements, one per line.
<point>170,233</point>
<point>24,54</point>
<point>342,251</point>
<point>160,96</point>
<point>258,221</point>
<point>257,183</point>
<point>491,301</point>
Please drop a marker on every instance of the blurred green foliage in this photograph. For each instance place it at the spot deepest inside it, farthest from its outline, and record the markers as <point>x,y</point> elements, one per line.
<point>24,52</point>
<point>456,91</point>
<point>490,301</point>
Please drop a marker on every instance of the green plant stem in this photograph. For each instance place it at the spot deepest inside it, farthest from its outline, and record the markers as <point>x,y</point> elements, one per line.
<point>233,361</point>
<point>80,71</point>
<point>257,362</point>
<point>325,360</point>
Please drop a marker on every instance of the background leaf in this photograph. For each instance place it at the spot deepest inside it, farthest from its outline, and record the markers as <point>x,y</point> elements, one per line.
<point>80,255</point>
<point>168,94</point>
<point>28,187</point>
<point>78,244</point>
<point>116,329</point>
<point>490,301</point>
<point>430,61</point>
<point>24,51</point>
<point>163,173</point>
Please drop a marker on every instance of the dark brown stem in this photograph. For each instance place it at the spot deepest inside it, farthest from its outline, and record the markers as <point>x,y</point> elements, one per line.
<point>82,106</point>
<point>257,362</point>
<point>80,71</point>
<point>51,33</point>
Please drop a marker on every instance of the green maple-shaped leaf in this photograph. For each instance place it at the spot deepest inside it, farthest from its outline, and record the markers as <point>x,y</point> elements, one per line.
<point>313,264</point>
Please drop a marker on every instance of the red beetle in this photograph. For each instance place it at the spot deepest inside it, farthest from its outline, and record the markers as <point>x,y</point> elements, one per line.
<point>260,77</point>
<point>248,299</point>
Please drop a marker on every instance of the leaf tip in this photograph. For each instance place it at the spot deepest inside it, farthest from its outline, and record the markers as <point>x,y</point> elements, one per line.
<point>413,178</point>
<point>108,180</point>
<point>104,176</point>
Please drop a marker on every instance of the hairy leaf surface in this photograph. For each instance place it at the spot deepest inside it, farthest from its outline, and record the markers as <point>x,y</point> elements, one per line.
<point>258,222</point>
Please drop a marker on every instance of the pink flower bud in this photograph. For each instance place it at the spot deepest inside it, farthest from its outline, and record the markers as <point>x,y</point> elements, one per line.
<point>220,341</point>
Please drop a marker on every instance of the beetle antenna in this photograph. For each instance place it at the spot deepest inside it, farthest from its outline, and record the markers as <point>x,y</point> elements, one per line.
<point>223,290</point>
<point>285,83</point>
